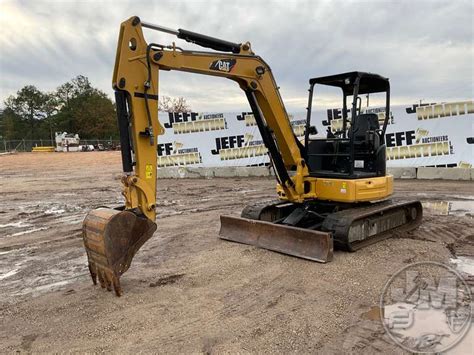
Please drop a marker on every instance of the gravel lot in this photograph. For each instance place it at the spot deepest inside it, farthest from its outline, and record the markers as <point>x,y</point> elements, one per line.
<point>187,290</point>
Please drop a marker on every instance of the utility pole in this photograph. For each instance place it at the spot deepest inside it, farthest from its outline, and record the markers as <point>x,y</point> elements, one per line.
<point>51,132</point>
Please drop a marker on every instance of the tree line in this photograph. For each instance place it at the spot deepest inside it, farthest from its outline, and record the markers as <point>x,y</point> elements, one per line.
<point>74,107</point>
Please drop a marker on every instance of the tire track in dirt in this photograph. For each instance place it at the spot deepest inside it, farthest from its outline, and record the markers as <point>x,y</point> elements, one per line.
<point>442,229</point>
<point>236,304</point>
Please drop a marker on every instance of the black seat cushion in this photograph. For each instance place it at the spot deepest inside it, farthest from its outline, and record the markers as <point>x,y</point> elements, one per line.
<point>363,123</point>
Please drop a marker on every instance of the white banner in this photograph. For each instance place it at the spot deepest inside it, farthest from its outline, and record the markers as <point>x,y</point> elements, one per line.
<point>427,135</point>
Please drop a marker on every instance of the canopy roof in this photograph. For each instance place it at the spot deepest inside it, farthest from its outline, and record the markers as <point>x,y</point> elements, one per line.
<point>369,83</point>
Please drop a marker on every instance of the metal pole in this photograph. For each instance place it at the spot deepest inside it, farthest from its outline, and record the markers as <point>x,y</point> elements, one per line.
<point>160,28</point>
<point>308,118</point>
<point>51,133</point>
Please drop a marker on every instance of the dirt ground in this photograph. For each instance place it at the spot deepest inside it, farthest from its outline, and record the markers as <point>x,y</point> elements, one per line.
<point>188,291</point>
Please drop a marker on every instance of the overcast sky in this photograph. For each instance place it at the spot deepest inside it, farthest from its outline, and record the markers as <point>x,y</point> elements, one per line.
<point>424,47</point>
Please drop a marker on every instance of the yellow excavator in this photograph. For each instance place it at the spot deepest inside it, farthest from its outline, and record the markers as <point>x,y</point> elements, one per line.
<point>331,191</point>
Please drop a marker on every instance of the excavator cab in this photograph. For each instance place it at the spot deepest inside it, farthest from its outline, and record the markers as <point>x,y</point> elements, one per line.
<point>354,146</point>
<point>347,168</point>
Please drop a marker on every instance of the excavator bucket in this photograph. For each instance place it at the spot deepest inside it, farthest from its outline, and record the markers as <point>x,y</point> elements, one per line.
<point>299,242</point>
<point>112,238</point>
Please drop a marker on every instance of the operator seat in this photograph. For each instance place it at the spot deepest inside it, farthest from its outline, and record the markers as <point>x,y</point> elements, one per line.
<point>363,125</point>
<point>368,144</point>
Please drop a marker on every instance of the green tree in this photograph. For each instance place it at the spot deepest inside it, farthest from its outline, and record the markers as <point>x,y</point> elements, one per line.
<point>75,107</point>
<point>79,86</point>
<point>28,106</point>
<point>48,124</point>
<point>11,125</point>
<point>93,115</point>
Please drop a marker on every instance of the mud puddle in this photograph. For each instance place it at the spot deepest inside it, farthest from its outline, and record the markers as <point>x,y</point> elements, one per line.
<point>461,208</point>
<point>429,329</point>
<point>24,272</point>
<point>464,264</point>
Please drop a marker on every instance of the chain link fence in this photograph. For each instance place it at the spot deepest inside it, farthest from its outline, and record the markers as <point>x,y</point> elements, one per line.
<point>26,145</point>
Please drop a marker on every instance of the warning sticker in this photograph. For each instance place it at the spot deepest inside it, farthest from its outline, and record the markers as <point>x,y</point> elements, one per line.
<point>149,171</point>
<point>344,188</point>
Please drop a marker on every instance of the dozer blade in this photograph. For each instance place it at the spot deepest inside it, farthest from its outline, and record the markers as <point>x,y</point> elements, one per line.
<point>299,242</point>
<point>111,239</point>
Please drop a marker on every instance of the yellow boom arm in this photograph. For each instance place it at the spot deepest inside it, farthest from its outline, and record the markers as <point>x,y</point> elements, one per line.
<point>136,83</point>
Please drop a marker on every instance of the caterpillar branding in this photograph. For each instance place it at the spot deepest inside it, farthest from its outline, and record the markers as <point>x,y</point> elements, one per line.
<point>237,147</point>
<point>173,154</point>
<point>416,144</point>
<point>190,122</point>
<point>224,65</point>
<point>447,109</point>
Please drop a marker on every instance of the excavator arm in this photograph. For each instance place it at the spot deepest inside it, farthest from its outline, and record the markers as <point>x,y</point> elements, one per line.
<point>113,236</point>
<point>136,78</point>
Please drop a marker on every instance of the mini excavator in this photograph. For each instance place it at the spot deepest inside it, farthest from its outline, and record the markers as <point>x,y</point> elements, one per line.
<point>331,191</point>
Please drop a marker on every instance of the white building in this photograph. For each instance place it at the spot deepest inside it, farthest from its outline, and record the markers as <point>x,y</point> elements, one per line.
<point>67,142</point>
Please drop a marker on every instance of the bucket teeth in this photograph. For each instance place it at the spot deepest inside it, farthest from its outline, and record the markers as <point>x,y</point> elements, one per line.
<point>117,287</point>
<point>93,272</point>
<point>101,279</point>
<point>107,279</point>
<point>111,239</point>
